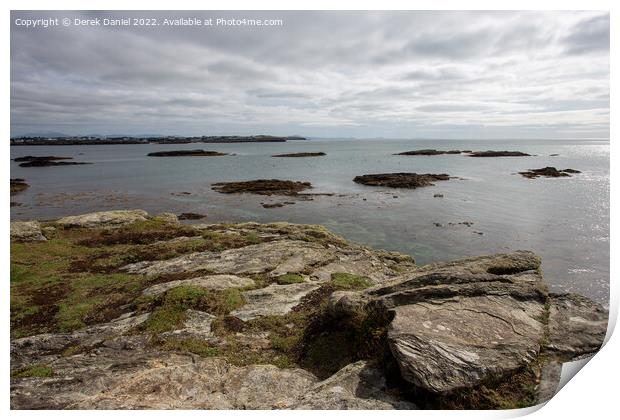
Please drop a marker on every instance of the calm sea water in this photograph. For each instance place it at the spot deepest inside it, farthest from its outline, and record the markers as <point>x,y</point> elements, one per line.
<point>566,221</point>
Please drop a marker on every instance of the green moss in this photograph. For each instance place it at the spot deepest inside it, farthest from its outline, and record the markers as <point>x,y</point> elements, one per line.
<point>191,345</point>
<point>289,278</point>
<point>169,310</point>
<point>349,281</point>
<point>32,371</point>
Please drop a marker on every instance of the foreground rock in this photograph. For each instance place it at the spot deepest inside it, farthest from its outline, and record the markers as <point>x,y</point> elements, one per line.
<point>400,180</point>
<point>302,154</point>
<point>492,153</point>
<point>262,187</point>
<point>196,152</point>
<point>548,172</point>
<point>459,324</point>
<point>227,319</point>
<point>26,232</point>
<point>104,219</point>
<point>429,152</point>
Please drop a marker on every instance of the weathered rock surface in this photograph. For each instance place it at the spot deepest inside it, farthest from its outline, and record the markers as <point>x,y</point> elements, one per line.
<point>358,386</point>
<point>274,299</point>
<point>548,172</point>
<point>197,324</point>
<point>262,187</point>
<point>167,217</point>
<point>26,232</point>
<point>215,282</point>
<point>577,325</point>
<point>104,219</point>
<point>455,325</point>
<point>400,180</point>
<point>277,257</point>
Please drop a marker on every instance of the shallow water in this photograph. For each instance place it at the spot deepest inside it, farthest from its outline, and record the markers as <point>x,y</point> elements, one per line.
<point>564,220</point>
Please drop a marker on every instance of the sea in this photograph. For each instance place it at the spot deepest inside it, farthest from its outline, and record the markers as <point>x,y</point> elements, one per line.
<point>486,208</point>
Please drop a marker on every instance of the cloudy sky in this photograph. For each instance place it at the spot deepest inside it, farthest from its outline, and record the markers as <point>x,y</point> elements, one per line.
<point>324,74</point>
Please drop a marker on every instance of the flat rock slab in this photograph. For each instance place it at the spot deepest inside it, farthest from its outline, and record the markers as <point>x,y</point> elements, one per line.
<point>196,325</point>
<point>274,299</point>
<point>104,219</point>
<point>444,345</point>
<point>215,282</point>
<point>26,232</point>
<point>358,386</point>
<point>277,257</point>
<point>577,325</point>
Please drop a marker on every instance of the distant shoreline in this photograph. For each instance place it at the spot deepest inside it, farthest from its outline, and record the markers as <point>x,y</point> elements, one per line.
<point>90,141</point>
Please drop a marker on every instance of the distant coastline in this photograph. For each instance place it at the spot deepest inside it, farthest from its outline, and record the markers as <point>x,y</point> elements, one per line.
<point>93,140</point>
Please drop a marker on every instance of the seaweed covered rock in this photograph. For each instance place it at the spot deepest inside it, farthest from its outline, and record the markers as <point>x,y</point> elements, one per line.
<point>548,172</point>
<point>400,180</point>
<point>262,187</point>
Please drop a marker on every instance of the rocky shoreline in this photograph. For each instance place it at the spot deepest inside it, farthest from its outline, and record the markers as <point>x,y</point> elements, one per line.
<point>122,309</point>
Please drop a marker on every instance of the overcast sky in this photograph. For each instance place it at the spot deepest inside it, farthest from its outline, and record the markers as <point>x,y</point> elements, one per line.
<point>327,74</point>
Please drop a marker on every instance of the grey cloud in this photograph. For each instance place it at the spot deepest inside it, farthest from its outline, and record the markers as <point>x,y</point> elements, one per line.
<point>399,74</point>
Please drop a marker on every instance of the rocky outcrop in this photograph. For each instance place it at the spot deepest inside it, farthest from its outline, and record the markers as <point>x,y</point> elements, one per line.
<point>400,180</point>
<point>191,216</point>
<point>196,152</point>
<point>215,282</point>
<point>26,231</point>
<point>458,324</point>
<point>302,154</point>
<point>548,172</point>
<point>493,153</point>
<point>103,219</point>
<point>167,218</point>
<point>262,187</point>
<point>274,299</point>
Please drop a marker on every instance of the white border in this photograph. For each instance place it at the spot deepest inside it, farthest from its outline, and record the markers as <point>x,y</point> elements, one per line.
<point>592,395</point>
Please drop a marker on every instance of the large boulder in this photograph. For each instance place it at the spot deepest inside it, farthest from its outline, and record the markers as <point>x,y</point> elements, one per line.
<point>104,219</point>
<point>26,232</point>
<point>454,325</point>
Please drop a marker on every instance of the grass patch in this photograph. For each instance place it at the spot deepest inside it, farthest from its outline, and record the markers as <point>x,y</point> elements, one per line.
<point>290,279</point>
<point>348,281</point>
<point>169,310</point>
<point>142,232</point>
<point>33,371</point>
<point>190,345</point>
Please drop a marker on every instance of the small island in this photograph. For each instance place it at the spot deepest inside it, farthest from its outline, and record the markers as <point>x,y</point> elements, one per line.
<point>42,161</point>
<point>301,154</point>
<point>195,152</point>
<point>493,153</point>
<point>400,180</point>
<point>262,187</point>
<point>429,152</point>
<point>548,172</point>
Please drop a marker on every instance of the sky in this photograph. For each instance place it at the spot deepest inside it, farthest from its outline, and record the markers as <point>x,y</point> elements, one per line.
<point>480,75</point>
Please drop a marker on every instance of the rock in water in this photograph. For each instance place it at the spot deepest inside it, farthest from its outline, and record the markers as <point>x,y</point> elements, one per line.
<point>197,152</point>
<point>400,180</point>
<point>493,153</point>
<point>26,232</point>
<point>104,219</point>
<point>549,172</point>
<point>262,187</point>
<point>302,154</point>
